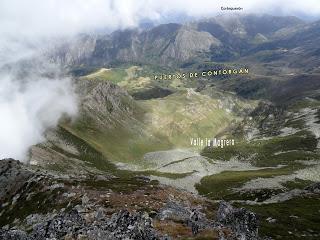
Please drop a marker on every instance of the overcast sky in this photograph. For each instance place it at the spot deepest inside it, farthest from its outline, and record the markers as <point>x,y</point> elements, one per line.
<point>46,17</point>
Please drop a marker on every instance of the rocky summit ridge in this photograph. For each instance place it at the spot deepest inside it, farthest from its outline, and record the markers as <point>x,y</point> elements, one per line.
<point>43,205</point>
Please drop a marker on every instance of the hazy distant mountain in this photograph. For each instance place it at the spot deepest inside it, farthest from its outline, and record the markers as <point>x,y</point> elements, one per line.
<point>219,38</point>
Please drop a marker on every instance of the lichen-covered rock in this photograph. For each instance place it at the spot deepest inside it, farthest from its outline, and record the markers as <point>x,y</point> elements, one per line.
<point>13,176</point>
<point>242,222</point>
<point>37,205</point>
<point>313,188</point>
<point>13,235</point>
<point>72,225</point>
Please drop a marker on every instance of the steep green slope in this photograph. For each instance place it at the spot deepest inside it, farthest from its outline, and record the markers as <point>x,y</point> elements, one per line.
<point>123,129</point>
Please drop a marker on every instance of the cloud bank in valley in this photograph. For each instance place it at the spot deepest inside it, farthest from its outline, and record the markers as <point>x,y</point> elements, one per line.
<point>28,109</point>
<point>29,106</point>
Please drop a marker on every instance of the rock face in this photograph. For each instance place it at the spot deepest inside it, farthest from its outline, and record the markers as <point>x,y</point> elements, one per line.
<point>313,188</point>
<point>13,176</point>
<point>188,43</point>
<point>105,103</point>
<point>243,222</point>
<point>190,216</point>
<point>13,235</point>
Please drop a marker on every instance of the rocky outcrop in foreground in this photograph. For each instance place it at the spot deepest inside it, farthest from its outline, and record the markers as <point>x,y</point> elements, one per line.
<point>243,222</point>
<point>38,205</point>
<point>84,223</point>
<point>73,225</point>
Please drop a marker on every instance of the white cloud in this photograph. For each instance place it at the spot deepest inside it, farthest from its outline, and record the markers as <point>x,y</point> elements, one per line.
<point>27,110</point>
<point>50,17</point>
